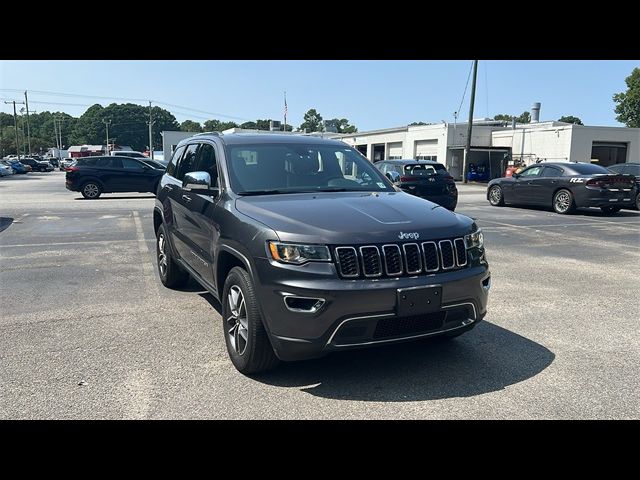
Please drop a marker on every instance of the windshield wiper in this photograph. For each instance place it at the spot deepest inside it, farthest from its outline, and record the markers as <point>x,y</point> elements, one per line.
<point>272,192</point>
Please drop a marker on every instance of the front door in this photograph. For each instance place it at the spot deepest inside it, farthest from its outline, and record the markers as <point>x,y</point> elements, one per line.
<point>525,185</point>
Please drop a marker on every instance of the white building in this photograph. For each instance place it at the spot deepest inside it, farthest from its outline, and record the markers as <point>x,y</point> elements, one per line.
<point>493,144</point>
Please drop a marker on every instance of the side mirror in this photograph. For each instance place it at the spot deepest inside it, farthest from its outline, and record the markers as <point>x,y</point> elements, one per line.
<point>393,176</point>
<point>199,182</point>
<point>515,175</point>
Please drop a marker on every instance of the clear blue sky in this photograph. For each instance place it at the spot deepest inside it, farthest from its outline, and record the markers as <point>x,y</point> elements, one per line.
<point>371,94</point>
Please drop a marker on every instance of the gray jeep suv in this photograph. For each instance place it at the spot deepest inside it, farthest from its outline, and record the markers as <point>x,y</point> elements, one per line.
<point>310,249</point>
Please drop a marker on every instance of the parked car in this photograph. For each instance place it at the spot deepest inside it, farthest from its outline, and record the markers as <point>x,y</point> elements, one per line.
<point>67,162</point>
<point>19,167</point>
<point>93,176</point>
<point>5,170</point>
<point>629,169</point>
<point>128,153</point>
<point>36,165</point>
<point>310,249</point>
<point>565,187</point>
<point>423,178</point>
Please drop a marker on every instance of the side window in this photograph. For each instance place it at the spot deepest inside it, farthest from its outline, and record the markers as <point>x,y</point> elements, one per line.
<point>551,172</point>
<point>384,168</point>
<point>188,162</point>
<point>175,161</point>
<point>633,170</point>
<point>532,172</point>
<point>206,162</point>
<point>104,162</point>
<point>130,164</point>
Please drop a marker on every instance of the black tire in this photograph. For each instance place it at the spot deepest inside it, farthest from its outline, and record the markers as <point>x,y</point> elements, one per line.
<point>638,201</point>
<point>496,197</point>
<point>91,190</point>
<point>610,210</point>
<point>171,274</point>
<point>563,202</point>
<point>254,353</point>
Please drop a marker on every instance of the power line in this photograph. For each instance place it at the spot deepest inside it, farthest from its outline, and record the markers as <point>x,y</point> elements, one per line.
<point>62,94</point>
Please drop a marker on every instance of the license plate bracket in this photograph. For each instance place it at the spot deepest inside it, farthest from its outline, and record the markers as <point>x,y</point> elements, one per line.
<point>418,300</point>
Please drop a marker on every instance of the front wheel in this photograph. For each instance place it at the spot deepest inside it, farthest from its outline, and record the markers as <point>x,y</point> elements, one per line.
<point>495,196</point>
<point>247,342</point>
<point>610,210</point>
<point>563,202</point>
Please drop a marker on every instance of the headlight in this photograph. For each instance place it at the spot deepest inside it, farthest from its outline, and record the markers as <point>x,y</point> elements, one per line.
<point>298,254</point>
<point>475,239</point>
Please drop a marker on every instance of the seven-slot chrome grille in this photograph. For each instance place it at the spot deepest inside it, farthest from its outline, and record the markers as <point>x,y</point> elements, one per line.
<point>404,259</point>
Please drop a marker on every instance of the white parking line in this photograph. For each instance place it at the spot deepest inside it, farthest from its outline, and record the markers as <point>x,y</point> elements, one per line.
<point>59,244</point>
<point>146,255</point>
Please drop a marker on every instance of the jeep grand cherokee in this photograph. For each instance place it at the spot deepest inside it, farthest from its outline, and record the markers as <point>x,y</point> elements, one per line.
<point>310,249</point>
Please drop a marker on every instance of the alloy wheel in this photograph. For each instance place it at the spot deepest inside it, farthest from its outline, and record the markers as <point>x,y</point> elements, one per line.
<point>162,255</point>
<point>495,195</point>
<point>237,325</point>
<point>91,190</point>
<point>563,202</point>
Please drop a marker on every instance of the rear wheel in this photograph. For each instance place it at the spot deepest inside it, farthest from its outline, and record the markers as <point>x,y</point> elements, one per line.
<point>563,202</point>
<point>171,275</point>
<point>495,196</point>
<point>638,201</point>
<point>610,210</point>
<point>91,190</point>
<point>247,342</point>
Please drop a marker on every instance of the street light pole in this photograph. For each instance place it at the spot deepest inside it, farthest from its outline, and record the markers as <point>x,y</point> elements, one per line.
<point>151,122</point>
<point>467,150</point>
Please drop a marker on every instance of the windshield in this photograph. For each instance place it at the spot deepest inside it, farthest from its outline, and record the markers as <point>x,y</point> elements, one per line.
<point>290,168</point>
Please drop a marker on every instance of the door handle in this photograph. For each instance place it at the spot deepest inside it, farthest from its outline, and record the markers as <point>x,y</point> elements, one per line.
<point>186,198</point>
<point>168,186</point>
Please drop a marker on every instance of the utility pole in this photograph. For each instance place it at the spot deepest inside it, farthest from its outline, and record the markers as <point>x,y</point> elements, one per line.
<point>60,120</point>
<point>15,124</point>
<point>107,123</point>
<point>151,122</point>
<point>26,102</point>
<point>467,150</point>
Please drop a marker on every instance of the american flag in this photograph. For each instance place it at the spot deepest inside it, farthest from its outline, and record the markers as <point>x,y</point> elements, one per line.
<point>285,104</point>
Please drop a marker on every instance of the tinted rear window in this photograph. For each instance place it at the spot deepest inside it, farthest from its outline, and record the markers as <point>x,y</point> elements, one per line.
<point>587,169</point>
<point>424,168</point>
<point>84,162</point>
<point>633,170</point>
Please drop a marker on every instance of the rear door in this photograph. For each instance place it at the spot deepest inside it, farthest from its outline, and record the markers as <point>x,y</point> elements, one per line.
<point>134,176</point>
<point>545,185</point>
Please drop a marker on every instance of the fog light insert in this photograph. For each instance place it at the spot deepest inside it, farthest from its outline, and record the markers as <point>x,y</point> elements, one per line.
<point>303,304</point>
<point>486,283</point>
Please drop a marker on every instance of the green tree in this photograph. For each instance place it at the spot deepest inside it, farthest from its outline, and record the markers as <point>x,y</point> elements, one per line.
<point>417,123</point>
<point>524,117</point>
<point>218,125</point>
<point>628,103</point>
<point>503,116</point>
<point>249,125</point>
<point>190,126</point>
<point>312,122</point>
<point>262,124</point>
<point>342,125</point>
<point>570,119</point>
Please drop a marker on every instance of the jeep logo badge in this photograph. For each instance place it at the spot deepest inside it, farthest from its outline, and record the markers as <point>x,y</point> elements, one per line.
<point>411,235</point>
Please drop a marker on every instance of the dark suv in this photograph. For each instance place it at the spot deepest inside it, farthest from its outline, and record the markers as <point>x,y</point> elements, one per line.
<point>426,179</point>
<point>93,176</point>
<point>310,249</point>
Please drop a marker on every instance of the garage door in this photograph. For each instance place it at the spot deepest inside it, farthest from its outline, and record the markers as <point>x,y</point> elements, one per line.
<point>426,148</point>
<point>394,150</point>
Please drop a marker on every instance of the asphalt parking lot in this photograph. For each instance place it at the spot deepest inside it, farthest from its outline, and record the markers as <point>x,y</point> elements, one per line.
<point>88,332</point>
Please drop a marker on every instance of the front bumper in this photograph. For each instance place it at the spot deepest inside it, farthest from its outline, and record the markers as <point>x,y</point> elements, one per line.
<point>360,313</point>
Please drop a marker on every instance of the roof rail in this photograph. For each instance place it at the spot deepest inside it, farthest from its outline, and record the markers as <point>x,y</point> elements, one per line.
<point>217,134</point>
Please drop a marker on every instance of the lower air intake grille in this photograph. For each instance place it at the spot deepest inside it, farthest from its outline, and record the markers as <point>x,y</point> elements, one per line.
<point>394,327</point>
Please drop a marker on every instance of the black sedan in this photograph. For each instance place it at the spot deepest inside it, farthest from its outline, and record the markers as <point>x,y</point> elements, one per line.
<point>629,169</point>
<point>93,176</point>
<point>36,165</point>
<point>565,187</point>
<point>423,178</point>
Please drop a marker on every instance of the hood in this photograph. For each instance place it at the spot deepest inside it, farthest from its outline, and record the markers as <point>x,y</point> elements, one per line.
<point>353,217</point>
